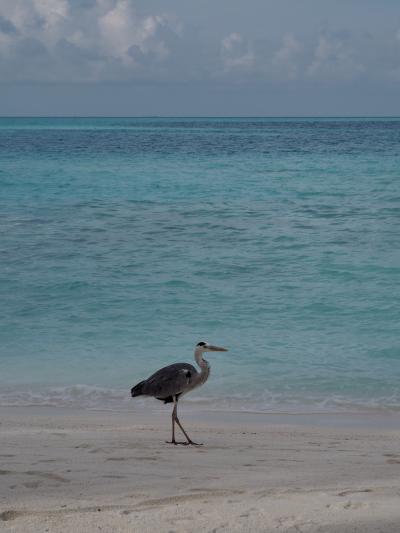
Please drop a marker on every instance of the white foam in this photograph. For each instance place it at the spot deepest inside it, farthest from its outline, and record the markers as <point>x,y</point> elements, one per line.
<point>97,397</point>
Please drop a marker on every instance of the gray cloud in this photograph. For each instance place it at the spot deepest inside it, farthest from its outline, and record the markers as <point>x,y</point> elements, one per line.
<point>111,40</point>
<point>6,26</point>
<point>236,53</point>
<point>81,40</point>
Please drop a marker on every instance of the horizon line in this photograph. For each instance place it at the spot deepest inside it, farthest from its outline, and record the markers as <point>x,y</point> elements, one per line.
<point>200,116</point>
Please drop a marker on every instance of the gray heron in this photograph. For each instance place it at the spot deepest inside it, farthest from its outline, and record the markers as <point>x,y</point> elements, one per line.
<point>173,381</point>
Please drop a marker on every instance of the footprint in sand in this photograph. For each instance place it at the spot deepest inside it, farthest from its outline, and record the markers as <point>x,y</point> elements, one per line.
<point>201,489</point>
<point>47,475</point>
<point>99,450</point>
<point>347,492</point>
<point>119,458</point>
<point>5,516</point>
<point>394,458</point>
<point>354,505</point>
<point>32,484</point>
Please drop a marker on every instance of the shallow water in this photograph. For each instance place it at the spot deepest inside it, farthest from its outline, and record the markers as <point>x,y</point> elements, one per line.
<point>126,241</point>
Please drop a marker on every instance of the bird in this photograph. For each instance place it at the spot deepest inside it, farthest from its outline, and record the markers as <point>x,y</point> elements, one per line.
<point>173,381</point>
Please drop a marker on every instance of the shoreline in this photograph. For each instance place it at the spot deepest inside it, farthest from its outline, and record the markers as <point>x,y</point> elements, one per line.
<point>382,419</point>
<point>98,398</point>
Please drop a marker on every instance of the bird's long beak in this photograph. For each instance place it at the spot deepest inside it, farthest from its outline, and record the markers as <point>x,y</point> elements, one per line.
<point>212,348</point>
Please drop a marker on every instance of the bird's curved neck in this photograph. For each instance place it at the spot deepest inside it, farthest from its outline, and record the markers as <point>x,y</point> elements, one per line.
<point>203,363</point>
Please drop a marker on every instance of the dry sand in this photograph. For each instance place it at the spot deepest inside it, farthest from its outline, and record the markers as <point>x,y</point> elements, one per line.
<point>65,471</point>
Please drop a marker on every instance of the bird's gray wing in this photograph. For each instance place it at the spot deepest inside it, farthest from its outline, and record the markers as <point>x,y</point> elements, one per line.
<point>169,381</point>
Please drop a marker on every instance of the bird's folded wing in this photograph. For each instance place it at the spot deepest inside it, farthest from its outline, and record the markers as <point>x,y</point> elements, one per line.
<point>169,381</point>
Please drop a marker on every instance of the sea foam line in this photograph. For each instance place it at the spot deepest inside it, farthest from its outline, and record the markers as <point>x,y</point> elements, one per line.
<point>97,397</point>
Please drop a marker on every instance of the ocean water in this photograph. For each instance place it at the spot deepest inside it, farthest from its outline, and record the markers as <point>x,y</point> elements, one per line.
<point>125,241</point>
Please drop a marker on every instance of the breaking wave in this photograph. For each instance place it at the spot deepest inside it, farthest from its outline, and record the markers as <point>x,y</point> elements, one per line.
<point>96,397</point>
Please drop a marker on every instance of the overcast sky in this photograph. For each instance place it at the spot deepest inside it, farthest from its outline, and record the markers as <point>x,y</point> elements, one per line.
<point>200,57</point>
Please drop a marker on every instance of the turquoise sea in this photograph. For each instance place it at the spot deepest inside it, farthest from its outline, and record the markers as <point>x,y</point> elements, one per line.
<point>125,241</point>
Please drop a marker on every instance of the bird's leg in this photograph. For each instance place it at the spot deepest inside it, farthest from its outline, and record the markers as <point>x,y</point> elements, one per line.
<point>173,441</point>
<point>174,418</point>
<point>189,440</point>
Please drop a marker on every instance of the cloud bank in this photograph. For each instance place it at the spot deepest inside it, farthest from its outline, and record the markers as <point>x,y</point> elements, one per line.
<point>111,40</point>
<point>81,40</point>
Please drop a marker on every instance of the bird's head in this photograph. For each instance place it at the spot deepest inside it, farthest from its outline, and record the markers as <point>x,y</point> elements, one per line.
<point>202,347</point>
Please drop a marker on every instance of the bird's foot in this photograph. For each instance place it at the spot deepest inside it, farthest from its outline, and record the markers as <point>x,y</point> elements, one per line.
<point>190,442</point>
<point>176,442</point>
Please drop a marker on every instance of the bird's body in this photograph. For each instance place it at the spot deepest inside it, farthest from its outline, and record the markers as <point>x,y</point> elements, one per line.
<point>171,382</point>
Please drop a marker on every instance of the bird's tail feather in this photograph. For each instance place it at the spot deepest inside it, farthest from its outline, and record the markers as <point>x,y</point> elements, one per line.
<point>137,389</point>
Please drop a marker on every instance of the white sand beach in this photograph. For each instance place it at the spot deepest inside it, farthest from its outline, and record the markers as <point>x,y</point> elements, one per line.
<point>69,471</point>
